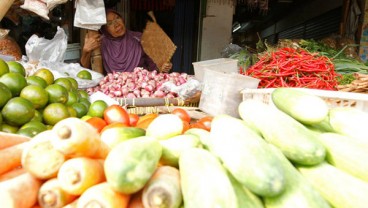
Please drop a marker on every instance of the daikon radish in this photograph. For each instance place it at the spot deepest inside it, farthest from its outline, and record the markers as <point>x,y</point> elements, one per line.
<point>11,157</point>
<point>78,174</point>
<point>75,138</point>
<point>51,195</point>
<point>40,158</point>
<point>11,174</point>
<point>72,204</point>
<point>19,192</point>
<point>8,139</point>
<point>102,195</point>
<point>163,189</point>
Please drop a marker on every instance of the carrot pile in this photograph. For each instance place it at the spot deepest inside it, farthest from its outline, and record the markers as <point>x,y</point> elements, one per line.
<point>289,67</point>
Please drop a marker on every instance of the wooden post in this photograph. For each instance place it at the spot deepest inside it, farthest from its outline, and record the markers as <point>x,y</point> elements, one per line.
<point>4,7</point>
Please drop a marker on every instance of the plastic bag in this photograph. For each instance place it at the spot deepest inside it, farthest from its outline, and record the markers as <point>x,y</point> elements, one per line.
<point>51,4</point>
<point>184,91</point>
<point>229,50</point>
<point>89,14</point>
<point>8,46</point>
<point>53,50</point>
<point>36,6</point>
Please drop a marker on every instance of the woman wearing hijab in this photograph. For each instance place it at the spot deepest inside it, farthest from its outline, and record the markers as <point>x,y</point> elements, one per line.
<point>121,49</point>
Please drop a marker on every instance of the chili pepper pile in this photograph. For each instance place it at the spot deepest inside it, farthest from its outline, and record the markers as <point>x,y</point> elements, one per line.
<point>289,67</point>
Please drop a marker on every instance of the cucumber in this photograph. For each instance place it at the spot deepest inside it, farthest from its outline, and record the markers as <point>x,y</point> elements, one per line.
<point>174,146</point>
<point>113,136</point>
<point>346,154</point>
<point>165,126</point>
<point>202,134</point>
<point>351,122</point>
<point>204,181</point>
<point>245,198</point>
<point>301,105</point>
<point>298,191</point>
<point>246,156</point>
<point>296,141</point>
<point>131,163</point>
<point>340,189</point>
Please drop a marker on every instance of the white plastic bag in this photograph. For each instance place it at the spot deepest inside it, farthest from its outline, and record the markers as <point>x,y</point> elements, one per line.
<point>36,6</point>
<point>41,49</point>
<point>51,4</point>
<point>89,14</point>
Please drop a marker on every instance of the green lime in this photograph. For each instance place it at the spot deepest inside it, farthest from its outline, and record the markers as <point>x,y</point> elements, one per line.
<point>54,113</point>
<point>80,108</point>
<point>29,132</point>
<point>34,124</point>
<point>97,108</point>
<point>74,82</point>
<point>5,93</point>
<point>86,117</point>
<point>16,67</point>
<point>83,94</point>
<point>35,80</point>
<point>14,81</point>
<point>18,111</point>
<point>45,74</point>
<point>9,128</point>
<point>57,93</point>
<point>85,102</point>
<point>84,74</point>
<point>63,81</point>
<point>72,111</point>
<point>38,96</point>
<point>73,97</point>
<point>4,68</point>
<point>37,116</point>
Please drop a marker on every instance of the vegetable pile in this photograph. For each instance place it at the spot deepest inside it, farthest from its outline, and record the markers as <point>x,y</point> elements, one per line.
<point>289,67</point>
<point>140,83</point>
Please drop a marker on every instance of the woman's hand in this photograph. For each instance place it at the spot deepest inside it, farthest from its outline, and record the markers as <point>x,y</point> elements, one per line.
<point>166,67</point>
<point>91,42</point>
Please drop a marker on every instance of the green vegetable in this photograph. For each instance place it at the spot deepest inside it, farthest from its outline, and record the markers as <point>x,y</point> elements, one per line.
<point>302,106</point>
<point>346,154</point>
<point>298,191</point>
<point>340,189</point>
<point>204,181</point>
<point>297,143</point>
<point>246,156</point>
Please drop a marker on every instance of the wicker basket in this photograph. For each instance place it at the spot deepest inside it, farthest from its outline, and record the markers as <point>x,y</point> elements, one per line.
<point>333,98</point>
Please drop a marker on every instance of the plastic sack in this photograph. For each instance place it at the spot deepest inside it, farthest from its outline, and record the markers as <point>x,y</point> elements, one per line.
<point>36,6</point>
<point>41,49</point>
<point>89,14</point>
<point>51,4</point>
<point>184,91</point>
<point>8,46</point>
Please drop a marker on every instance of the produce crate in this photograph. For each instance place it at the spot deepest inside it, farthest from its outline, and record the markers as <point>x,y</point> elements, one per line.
<point>221,93</point>
<point>333,98</point>
<point>221,65</point>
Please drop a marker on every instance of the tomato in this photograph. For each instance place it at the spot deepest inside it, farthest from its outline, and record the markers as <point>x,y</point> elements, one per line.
<point>116,113</point>
<point>183,114</point>
<point>198,125</point>
<point>133,119</point>
<point>97,123</point>
<point>145,120</point>
<point>113,125</point>
<point>206,121</point>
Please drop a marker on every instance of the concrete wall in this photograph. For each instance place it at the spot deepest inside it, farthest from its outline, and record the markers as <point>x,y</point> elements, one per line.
<point>216,29</point>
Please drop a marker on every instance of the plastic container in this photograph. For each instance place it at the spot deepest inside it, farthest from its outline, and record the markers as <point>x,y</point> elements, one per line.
<point>221,93</point>
<point>333,98</point>
<point>221,65</point>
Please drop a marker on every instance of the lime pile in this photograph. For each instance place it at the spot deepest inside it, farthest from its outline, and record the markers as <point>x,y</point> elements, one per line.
<point>35,103</point>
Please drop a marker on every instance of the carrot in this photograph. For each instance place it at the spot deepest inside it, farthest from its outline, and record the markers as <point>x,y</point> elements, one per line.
<point>51,195</point>
<point>78,174</point>
<point>136,200</point>
<point>102,195</point>
<point>40,158</point>
<point>75,138</point>
<point>163,189</point>
<point>72,204</point>
<point>11,174</point>
<point>19,192</point>
<point>8,139</point>
<point>11,157</point>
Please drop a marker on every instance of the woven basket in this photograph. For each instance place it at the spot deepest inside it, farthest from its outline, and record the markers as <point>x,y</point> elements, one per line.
<point>156,44</point>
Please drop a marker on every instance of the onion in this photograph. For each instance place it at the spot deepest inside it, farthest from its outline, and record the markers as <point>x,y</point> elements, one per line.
<point>159,94</point>
<point>130,95</point>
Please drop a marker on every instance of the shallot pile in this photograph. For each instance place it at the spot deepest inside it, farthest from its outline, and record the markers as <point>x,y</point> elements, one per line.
<point>140,83</point>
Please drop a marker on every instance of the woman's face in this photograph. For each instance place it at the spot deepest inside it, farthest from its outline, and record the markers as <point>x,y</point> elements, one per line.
<point>115,25</point>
